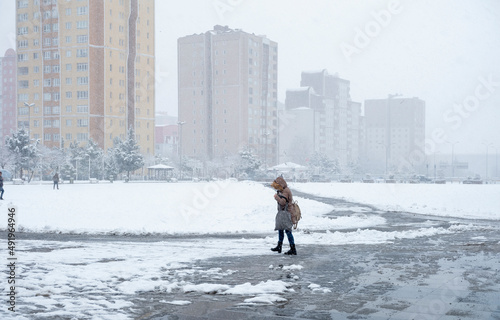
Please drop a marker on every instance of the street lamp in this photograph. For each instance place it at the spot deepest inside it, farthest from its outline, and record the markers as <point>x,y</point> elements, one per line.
<point>435,164</point>
<point>179,147</point>
<point>76,165</point>
<point>488,145</point>
<point>452,157</point>
<point>29,105</point>
<point>265,134</point>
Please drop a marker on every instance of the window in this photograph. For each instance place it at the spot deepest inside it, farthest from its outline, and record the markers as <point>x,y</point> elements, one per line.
<point>56,96</point>
<point>22,44</point>
<point>36,83</point>
<point>68,25</point>
<point>47,83</point>
<point>22,57</point>
<point>80,137</point>
<point>46,69</point>
<point>69,108</point>
<point>68,123</point>
<point>83,80</point>
<point>22,17</point>
<point>47,28</point>
<point>68,39</point>
<point>56,82</point>
<point>23,97</point>
<point>82,11</point>
<point>69,137</point>
<point>82,38</point>
<point>82,95</point>
<point>82,109</point>
<point>82,66</point>
<point>81,53</point>
<point>47,55</point>
<point>56,68</point>
<point>68,67</point>
<point>47,137</point>
<point>82,24</point>
<point>69,94</point>
<point>22,71</point>
<point>22,30</point>
<point>82,123</point>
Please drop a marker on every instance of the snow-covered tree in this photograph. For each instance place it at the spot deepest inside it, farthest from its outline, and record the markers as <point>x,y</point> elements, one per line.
<point>25,153</point>
<point>77,157</point>
<point>6,157</point>
<point>94,155</point>
<point>68,171</point>
<point>248,163</point>
<point>324,165</point>
<point>111,169</point>
<point>127,154</point>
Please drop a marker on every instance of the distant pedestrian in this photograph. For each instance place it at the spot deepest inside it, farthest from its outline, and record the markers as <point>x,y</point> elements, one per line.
<point>55,178</point>
<point>1,186</point>
<point>284,223</point>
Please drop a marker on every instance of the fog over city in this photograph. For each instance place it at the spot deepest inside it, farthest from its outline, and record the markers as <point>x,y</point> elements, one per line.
<point>155,153</point>
<point>443,52</point>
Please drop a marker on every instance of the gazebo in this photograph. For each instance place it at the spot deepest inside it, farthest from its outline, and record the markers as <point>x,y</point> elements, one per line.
<point>288,166</point>
<point>159,172</point>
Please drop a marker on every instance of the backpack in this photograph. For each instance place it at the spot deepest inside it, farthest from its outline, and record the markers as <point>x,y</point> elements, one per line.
<point>296,213</point>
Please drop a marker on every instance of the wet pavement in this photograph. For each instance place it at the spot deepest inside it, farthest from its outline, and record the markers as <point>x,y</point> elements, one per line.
<point>450,276</point>
<point>444,276</point>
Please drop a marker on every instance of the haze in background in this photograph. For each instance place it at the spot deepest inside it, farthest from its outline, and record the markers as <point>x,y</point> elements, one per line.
<point>444,52</point>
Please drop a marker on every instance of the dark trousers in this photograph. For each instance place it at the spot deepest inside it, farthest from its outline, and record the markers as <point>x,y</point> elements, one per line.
<point>56,184</point>
<point>281,236</point>
<point>1,194</point>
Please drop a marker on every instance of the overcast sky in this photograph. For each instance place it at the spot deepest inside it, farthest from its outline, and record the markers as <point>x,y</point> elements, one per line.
<point>445,52</point>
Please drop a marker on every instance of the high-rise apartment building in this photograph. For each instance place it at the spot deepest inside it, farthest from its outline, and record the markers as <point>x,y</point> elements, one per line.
<point>336,120</point>
<point>86,70</point>
<point>228,94</point>
<point>7,94</point>
<point>395,134</point>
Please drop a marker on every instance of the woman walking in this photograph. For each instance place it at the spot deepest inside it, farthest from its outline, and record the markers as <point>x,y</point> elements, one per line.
<point>284,223</point>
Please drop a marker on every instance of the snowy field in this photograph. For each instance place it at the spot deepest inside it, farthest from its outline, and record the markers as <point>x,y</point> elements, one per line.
<point>448,200</point>
<point>227,206</point>
<point>95,280</point>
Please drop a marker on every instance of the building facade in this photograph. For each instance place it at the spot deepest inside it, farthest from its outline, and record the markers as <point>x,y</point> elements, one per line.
<point>8,84</point>
<point>86,70</point>
<point>395,134</point>
<point>227,94</point>
<point>336,120</point>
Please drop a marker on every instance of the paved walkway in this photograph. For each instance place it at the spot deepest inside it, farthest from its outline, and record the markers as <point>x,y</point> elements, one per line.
<point>447,277</point>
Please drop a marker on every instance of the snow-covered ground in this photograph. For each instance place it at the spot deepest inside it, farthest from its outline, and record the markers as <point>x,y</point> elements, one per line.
<point>227,206</point>
<point>450,200</point>
<point>96,279</point>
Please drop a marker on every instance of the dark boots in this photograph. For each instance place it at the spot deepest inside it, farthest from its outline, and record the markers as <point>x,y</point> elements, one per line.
<point>291,251</point>
<point>278,247</point>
